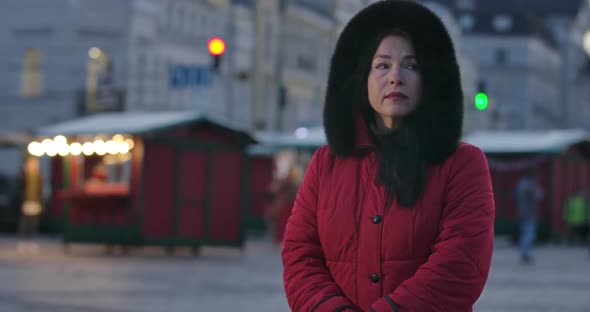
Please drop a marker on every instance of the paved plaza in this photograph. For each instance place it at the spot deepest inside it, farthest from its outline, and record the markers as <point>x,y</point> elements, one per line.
<point>248,280</point>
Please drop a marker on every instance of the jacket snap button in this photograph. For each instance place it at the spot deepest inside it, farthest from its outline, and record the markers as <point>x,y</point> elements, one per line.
<point>374,278</point>
<point>377,219</point>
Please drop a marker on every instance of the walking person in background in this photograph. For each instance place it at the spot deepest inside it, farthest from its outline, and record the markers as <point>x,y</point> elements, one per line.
<point>395,214</point>
<point>528,195</point>
<point>284,191</point>
<point>575,218</point>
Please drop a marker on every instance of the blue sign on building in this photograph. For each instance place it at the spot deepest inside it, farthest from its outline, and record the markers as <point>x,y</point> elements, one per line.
<point>186,76</point>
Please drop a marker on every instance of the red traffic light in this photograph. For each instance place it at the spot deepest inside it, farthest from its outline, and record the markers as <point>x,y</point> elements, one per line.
<point>216,46</point>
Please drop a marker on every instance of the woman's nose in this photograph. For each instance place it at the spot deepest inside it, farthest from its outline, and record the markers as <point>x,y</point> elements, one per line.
<point>394,77</point>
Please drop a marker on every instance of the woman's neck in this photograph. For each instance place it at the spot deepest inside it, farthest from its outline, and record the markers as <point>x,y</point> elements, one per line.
<point>386,127</point>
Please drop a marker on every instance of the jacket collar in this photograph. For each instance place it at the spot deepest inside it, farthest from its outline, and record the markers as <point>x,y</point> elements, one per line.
<point>363,137</point>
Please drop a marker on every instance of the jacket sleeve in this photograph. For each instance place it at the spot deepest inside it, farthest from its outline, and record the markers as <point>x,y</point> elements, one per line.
<point>454,275</point>
<point>308,283</point>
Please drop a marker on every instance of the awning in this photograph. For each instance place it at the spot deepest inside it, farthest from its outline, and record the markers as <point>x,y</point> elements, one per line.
<point>113,123</point>
<point>301,138</point>
<point>131,123</point>
<point>538,141</point>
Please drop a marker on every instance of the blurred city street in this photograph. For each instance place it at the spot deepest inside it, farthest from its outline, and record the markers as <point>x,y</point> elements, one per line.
<point>227,279</point>
<point>177,122</point>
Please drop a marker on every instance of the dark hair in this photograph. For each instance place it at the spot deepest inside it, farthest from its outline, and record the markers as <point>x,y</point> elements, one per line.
<point>402,166</point>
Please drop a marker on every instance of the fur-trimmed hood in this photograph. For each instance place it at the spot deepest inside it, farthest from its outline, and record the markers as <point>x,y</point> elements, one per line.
<point>439,115</point>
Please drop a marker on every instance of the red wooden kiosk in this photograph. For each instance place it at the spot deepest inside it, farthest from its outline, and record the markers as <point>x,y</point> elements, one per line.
<point>161,178</point>
<point>560,157</point>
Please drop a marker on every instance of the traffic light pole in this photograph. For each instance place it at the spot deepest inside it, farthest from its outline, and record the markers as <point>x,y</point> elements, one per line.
<point>230,69</point>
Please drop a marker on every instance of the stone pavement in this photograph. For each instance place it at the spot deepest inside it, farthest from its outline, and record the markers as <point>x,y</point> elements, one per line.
<point>226,279</point>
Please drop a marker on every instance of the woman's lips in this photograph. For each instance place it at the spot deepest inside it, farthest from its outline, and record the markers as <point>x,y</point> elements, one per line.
<point>396,96</point>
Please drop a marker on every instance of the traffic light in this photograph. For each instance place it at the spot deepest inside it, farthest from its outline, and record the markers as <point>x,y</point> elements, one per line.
<point>481,98</point>
<point>481,101</point>
<point>216,48</point>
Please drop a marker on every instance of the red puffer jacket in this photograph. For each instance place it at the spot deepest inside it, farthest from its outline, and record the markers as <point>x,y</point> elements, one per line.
<point>343,250</point>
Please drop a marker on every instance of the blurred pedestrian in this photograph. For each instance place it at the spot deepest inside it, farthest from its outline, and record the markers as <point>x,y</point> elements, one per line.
<point>32,204</point>
<point>528,195</point>
<point>575,218</point>
<point>395,214</point>
<point>284,191</point>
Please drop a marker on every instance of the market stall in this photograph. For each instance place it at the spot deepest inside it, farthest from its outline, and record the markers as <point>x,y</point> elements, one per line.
<point>561,159</point>
<point>161,178</point>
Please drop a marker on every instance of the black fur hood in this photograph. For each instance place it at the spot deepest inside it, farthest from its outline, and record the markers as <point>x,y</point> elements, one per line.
<point>439,116</point>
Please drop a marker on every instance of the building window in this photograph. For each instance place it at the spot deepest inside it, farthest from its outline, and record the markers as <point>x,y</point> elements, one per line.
<point>269,37</point>
<point>99,82</point>
<point>203,25</point>
<point>502,23</point>
<point>156,69</point>
<point>501,57</point>
<point>306,63</point>
<point>466,21</point>
<point>32,73</point>
<point>170,18</point>
<point>465,4</point>
<point>194,24</point>
<point>186,21</point>
<point>179,20</point>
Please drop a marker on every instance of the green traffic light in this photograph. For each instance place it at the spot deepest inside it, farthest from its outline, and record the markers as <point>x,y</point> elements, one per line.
<point>481,101</point>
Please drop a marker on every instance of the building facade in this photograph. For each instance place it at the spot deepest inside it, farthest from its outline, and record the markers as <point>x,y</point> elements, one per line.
<point>469,69</point>
<point>579,56</point>
<point>306,45</point>
<point>265,71</point>
<point>167,37</point>
<point>523,50</point>
<point>53,52</point>
<point>66,58</point>
<point>80,57</point>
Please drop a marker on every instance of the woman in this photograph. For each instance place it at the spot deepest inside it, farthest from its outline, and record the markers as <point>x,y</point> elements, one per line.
<point>395,214</point>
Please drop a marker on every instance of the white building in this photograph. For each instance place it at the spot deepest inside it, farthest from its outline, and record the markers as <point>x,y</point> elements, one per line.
<point>518,65</point>
<point>265,68</point>
<point>171,33</point>
<point>579,55</point>
<point>306,48</point>
<point>53,51</point>
<point>467,65</point>
<point>69,57</point>
<point>524,54</point>
<point>344,10</point>
<point>73,57</point>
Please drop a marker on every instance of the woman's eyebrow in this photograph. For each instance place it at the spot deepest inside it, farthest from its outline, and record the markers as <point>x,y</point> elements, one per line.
<point>386,56</point>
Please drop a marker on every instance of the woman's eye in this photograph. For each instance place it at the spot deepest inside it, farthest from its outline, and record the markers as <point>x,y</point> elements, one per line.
<point>381,66</point>
<point>412,66</point>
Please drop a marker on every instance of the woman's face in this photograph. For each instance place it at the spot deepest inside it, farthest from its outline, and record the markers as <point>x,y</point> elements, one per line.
<point>394,82</point>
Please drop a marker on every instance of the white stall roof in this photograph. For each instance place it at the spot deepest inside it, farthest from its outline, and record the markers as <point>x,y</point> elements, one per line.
<point>301,138</point>
<point>529,141</point>
<point>538,141</point>
<point>124,122</point>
